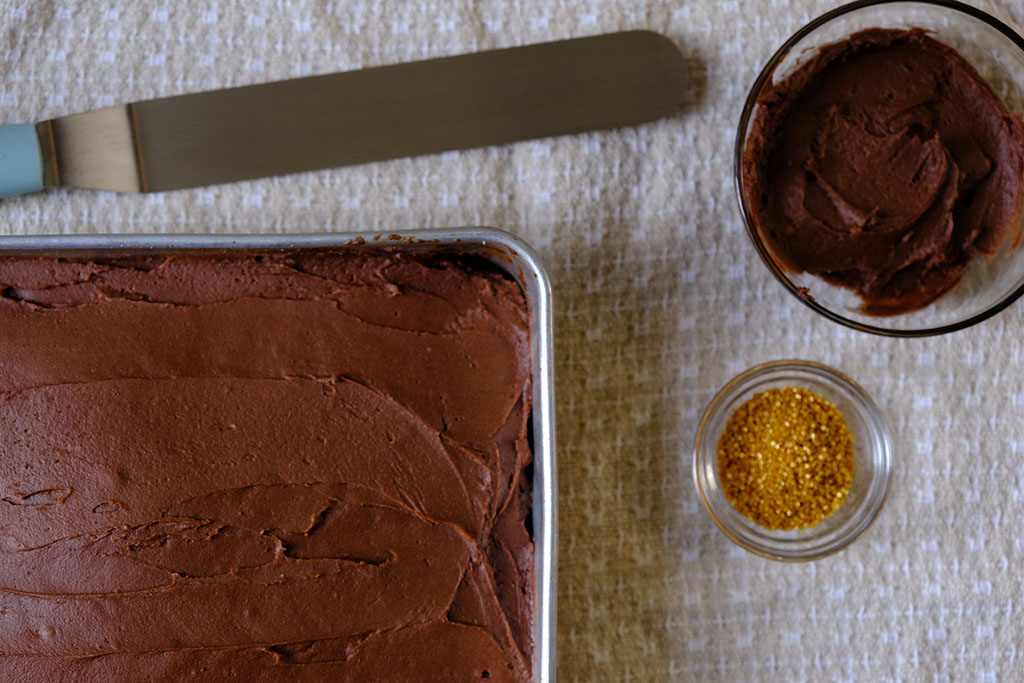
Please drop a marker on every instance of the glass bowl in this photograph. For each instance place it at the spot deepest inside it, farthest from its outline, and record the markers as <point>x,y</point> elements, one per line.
<point>872,462</point>
<point>997,52</point>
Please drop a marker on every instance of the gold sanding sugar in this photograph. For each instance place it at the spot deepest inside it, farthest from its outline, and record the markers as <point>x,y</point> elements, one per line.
<point>785,459</point>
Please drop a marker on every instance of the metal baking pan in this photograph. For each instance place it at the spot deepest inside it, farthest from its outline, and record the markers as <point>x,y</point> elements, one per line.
<point>501,248</point>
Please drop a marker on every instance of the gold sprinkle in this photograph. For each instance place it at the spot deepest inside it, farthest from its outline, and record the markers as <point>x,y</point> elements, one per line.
<point>765,460</point>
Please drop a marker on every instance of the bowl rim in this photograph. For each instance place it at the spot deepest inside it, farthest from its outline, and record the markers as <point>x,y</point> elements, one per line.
<point>840,379</point>
<point>747,112</point>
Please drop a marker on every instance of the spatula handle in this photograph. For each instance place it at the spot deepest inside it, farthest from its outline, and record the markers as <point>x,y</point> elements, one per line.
<point>21,159</point>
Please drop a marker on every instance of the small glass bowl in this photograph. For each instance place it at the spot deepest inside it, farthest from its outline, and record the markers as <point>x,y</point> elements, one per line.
<point>997,52</point>
<point>872,462</point>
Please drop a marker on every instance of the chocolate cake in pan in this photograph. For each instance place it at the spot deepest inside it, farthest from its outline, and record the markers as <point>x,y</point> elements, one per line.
<point>303,465</point>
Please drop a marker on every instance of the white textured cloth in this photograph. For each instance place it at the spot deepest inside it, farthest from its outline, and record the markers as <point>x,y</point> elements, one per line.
<point>660,300</point>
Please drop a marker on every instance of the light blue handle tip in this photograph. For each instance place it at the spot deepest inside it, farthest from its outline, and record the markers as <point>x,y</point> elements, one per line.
<point>21,160</point>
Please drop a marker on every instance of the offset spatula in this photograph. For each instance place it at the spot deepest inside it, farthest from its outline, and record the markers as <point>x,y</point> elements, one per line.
<point>474,100</point>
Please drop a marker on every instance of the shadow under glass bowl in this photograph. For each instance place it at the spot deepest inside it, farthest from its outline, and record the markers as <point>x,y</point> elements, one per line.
<point>872,462</point>
<point>996,51</point>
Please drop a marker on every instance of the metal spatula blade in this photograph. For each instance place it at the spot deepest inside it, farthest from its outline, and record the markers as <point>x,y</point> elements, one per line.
<point>451,103</point>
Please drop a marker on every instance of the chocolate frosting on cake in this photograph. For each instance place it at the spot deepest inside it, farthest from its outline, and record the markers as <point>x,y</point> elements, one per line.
<point>302,466</point>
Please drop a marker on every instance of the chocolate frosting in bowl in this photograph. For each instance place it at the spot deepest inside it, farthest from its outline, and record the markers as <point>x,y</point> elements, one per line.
<point>884,164</point>
<point>304,466</point>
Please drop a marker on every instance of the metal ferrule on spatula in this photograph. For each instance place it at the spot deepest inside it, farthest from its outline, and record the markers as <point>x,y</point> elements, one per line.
<point>97,151</point>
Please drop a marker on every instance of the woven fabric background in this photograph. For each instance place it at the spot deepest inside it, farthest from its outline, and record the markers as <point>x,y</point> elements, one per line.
<point>660,300</point>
